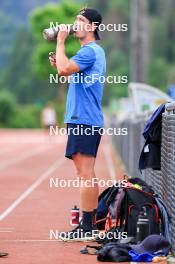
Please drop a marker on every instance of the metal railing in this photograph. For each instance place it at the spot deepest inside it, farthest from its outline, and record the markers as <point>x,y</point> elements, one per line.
<point>129,147</point>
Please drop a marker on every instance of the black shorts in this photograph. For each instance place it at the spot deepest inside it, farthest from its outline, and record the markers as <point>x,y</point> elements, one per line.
<point>83,139</point>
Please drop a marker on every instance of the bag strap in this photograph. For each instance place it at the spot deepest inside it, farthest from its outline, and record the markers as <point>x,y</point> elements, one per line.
<point>121,198</point>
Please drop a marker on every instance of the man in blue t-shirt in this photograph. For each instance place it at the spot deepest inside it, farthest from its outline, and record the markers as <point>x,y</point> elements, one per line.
<point>86,71</point>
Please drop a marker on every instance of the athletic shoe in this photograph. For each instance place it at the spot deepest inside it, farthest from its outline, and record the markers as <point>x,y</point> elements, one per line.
<point>3,254</point>
<point>79,235</point>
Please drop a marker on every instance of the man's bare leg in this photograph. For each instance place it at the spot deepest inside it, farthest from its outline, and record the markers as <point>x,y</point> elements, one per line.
<point>88,194</point>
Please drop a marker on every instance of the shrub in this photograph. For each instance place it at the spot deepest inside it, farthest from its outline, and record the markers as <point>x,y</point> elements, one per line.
<point>26,116</point>
<point>7,107</point>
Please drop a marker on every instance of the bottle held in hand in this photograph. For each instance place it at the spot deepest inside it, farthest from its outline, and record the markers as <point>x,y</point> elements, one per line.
<point>52,32</point>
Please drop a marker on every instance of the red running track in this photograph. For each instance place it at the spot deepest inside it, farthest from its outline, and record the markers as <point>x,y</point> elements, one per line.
<point>29,208</point>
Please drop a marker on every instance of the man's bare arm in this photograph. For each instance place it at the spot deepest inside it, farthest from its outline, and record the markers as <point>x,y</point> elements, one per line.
<point>65,66</point>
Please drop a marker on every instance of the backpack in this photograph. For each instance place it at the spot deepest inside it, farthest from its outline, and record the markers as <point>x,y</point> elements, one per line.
<point>104,201</point>
<point>123,205</point>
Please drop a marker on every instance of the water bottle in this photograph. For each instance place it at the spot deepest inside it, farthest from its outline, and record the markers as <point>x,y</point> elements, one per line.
<point>75,215</point>
<point>51,33</point>
<point>143,228</point>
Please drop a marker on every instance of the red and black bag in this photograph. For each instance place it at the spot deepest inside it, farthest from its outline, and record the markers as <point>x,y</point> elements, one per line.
<point>125,205</point>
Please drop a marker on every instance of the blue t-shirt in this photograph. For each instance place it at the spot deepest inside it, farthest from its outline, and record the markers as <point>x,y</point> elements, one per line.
<point>85,92</point>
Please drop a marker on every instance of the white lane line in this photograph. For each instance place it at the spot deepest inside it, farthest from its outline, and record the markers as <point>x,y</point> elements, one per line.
<point>26,155</point>
<point>42,177</point>
<point>6,231</point>
<point>31,240</point>
<point>6,228</point>
<point>40,139</point>
<point>110,164</point>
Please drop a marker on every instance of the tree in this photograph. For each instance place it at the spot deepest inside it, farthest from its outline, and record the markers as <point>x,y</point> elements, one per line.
<point>19,77</point>
<point>139,40</point>
<point>7,107</point>
<point>64,12</point>
<point>115,44</point>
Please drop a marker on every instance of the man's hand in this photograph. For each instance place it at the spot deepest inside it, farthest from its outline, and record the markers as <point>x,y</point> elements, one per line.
<point>63,33</point>
<point>53,62</point>
<point>52,59</point>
